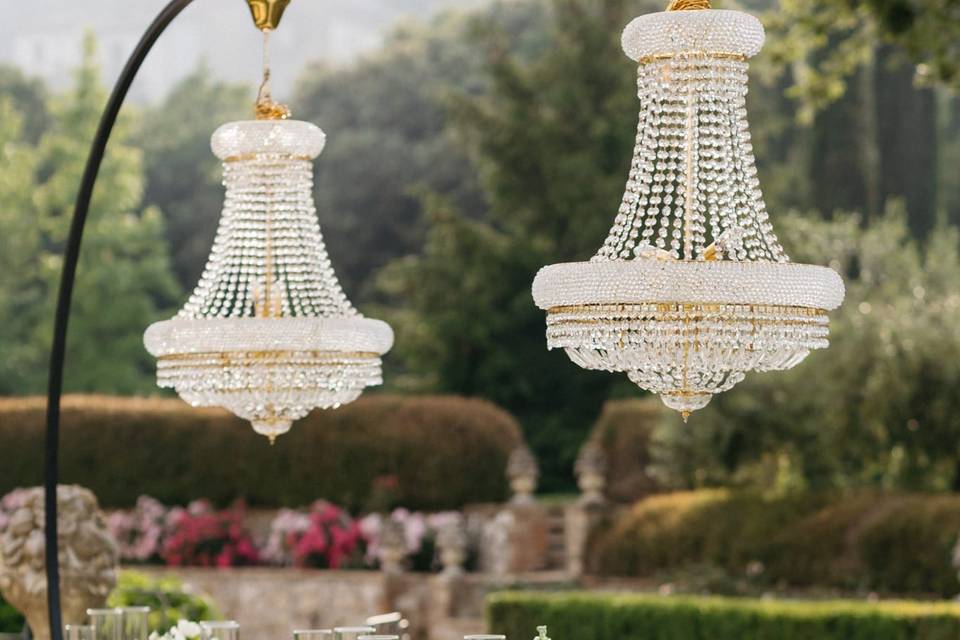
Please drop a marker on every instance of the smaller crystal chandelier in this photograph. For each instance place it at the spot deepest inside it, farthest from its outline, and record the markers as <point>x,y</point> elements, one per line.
<point>691,289</point>
<point>268,332</point>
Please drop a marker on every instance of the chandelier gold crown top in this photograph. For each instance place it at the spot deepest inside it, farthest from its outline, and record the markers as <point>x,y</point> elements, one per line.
<point>688,5</point>
<point>691,289</point>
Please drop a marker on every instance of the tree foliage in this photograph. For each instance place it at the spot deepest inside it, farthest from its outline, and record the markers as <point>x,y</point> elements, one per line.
<point>878,408</point>
<point>551,142</point>
<point>182,176</point>
<point>123,280</point>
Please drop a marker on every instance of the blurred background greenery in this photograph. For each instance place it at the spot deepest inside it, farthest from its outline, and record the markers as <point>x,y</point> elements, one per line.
<point>470,151</point>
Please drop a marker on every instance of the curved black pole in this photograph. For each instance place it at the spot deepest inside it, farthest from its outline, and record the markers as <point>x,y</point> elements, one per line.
<point>67,278</point>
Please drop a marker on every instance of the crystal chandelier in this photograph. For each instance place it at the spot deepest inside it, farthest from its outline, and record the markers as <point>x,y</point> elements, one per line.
<point>268,332</point>
<point>691,289</point>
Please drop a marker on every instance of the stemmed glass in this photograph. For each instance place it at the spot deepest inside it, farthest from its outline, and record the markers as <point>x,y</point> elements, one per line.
<point>313,634</point>
<point>78,632</point>
<point>219,630</point>
<point>107,623</point>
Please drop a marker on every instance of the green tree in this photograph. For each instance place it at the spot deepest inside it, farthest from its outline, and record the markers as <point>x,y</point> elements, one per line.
<point>878,408</point>
<point>19,247</point>
<point>865,78</point>
<point>183,177</point>
<point>28,97</point>
<point>551,142</point>
<point>390,136</point>
<point>124,280</point>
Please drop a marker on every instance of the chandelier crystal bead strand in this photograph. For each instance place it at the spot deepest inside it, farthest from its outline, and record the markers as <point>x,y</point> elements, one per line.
<point>691,289</point>
<point>268,333</point>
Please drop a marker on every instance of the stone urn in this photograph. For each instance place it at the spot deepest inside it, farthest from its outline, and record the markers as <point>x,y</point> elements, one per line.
<point>88,557</point>
<point>452,545</point>
<point>523,473</point>
<point>393,546</point>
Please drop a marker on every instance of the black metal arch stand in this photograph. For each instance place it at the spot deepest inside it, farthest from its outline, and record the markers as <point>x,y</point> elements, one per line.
<point>67,278</point>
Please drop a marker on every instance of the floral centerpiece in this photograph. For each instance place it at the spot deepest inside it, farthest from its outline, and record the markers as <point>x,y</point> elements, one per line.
<point>183,630</point>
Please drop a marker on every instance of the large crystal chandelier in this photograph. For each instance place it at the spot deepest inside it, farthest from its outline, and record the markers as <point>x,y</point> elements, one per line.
<point>268,332</point>
<point>691,289</point>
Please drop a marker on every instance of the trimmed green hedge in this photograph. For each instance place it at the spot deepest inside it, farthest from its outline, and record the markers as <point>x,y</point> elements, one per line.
<point>424,452</point>
<point>623,617</point>
<point>892,543</point>
<point>624,431</point>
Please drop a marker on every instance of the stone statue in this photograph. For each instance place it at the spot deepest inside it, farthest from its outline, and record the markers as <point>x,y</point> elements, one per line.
<point>88,557</point>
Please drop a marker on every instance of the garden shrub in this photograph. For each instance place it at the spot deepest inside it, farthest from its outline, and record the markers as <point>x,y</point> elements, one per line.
<point>869,541</point>
<point>717,527</point>
<point>11,620</point>
<point>624,431</point>
<point>168,598</point>
<point>911,547</point>
<point>615,617</point>
<point>424,452</point>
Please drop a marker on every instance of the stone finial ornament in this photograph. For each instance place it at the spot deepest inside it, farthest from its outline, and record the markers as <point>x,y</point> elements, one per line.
<point>88,557</point>
<point>523,473</point>
<point>452,543</point>
<point>393,546</point>
<point>591,470</point>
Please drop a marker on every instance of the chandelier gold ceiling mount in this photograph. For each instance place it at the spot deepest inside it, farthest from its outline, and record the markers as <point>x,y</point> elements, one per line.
<point>267,13</point>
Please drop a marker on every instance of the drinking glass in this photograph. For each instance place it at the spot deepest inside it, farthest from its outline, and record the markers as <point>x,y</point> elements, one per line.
<point>107,624</point>
<point>352,633</point>
<point>78,632</point>
<point>134,623</point>
<point>313,634</point>
<point>219,630</point>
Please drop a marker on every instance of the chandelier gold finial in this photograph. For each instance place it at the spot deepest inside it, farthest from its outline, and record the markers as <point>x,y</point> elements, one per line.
<point>688,5</point>
<point>267,13</point>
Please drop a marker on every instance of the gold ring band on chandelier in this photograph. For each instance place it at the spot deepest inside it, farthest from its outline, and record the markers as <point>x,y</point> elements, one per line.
<point>716,55</point>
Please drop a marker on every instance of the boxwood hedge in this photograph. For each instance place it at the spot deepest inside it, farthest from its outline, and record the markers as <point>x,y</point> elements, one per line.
<point>859,541</point>
<point>651,617</point>
<point>424,452</point>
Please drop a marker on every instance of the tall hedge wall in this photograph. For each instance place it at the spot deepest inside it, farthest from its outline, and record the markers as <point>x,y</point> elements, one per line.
<point>891,543</point>
<point>624,617</point>
<point>624,430</point>
<point>424,452</point>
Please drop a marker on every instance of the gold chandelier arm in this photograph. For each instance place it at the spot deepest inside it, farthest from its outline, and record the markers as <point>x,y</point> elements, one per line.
<point>688,5</point>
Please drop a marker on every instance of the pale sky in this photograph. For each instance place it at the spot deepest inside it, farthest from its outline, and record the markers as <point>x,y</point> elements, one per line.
<point>43,36</point>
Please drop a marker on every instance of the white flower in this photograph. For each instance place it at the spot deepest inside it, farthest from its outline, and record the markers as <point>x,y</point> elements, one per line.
<point>188,629</point>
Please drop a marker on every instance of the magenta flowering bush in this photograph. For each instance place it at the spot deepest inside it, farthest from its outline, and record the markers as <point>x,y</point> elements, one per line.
<point>322,536</point>
<point>139,533</point>
<point>325,537</point>
<point>200,536</point>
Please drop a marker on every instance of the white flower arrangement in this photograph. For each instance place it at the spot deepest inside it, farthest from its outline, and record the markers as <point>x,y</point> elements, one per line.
<point>183,630</point>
